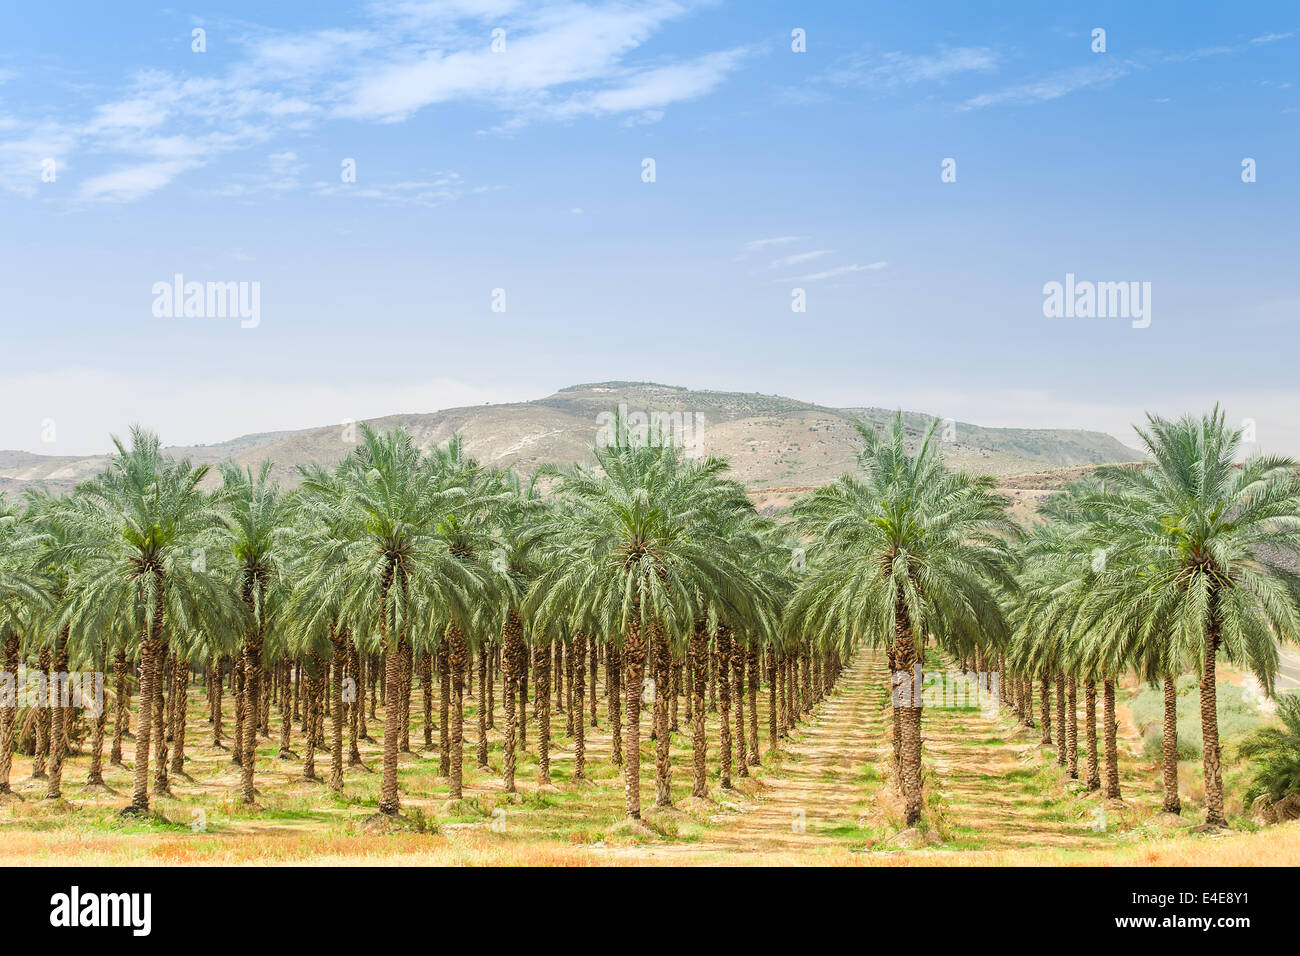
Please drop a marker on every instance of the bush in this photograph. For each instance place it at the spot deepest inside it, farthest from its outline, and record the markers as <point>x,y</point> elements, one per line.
<point>1238,717</point>
<point>1276,752</point>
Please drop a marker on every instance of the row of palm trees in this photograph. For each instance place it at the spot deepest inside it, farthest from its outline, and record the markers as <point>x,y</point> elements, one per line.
<point>409,562</point>
<point>421,563</point>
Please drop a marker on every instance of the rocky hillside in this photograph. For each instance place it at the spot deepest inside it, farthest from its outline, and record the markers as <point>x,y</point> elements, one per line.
<point>773,442</point>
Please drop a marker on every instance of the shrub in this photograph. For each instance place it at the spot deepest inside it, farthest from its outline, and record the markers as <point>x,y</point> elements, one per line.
<point>1276,752</point>
<point>1238,717</point>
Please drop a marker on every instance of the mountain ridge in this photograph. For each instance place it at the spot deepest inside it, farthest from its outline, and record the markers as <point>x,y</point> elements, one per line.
<point>773,441</point>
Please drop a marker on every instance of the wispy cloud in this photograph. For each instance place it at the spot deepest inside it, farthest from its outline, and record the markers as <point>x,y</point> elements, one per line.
<point>838,271</point>
<point>129,183</point>
<point>799,257</point>
<point>1053,85</point>
<point>756,244</point>
<point>1273,37</point>
<point>561,61</point>
<point>894,69</point>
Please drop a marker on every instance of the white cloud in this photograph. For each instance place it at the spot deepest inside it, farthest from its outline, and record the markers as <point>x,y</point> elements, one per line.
<point>563,60</point>
<point>800,257</point>
<point>894,69</point>
<point>837,271</point>
<point>1053,85</point>
<point>757,244</point>
<point>129,183</point>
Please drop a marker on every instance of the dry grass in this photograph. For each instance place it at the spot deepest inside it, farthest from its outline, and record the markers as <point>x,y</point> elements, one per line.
<point>994,797</point>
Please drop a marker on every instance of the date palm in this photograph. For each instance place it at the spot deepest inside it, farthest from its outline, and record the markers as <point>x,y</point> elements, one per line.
<point>905,549</point>
<point>24,598</point>
<point>1212,546</point>
<point>640,555</point>
<point>133,535</point>
<point>373,559</point>
<point>255,531</point>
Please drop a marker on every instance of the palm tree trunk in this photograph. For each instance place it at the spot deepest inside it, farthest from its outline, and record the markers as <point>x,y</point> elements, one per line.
<point>252,705</point>
<point>309,680</point>
<point>58,704</point>
<point>1169,747</point>
<point>512,652</point>
<point>214,698</point>
<point>426,697</point>
<point>751,662</point>
<point>456,654</point>
<point>1109,729</point>
<point>542,710</point>
<point>240,698</point>
<point>1210,731</point>
<point>907,714</point>
<point>120,703</point>
<point>662,700</point>
<point>522,678</point>
<point>161,785</point>
<point>356,707</point>
<point>8,709</point>
<point>490,683</point>
<point>95,777</point>
<point>182,695</point>
<point>287,706</point>
<point>482,710</point>
<point>405,651</point>
<point>389,796</point>
<point>699,658</point>
<point>632,676</point>
<point>1072,728</point>
<point>738,655</point>
<point>771,699</point>
<point>896,684</point>
<point>338,642</point>
<point>578,654</point>
<point>722,667</point>
<point>1060,718</point>
<point>1090,733</point>
<point>614,678</point>
<point>444,711</point>
<point>151,651</point>
<point>365,668</point>
<point>42,751</point>
<point>592,655</point>
<point>1045,703</point>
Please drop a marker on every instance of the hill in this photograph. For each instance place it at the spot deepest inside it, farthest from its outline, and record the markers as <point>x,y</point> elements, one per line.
<point>773,442</point>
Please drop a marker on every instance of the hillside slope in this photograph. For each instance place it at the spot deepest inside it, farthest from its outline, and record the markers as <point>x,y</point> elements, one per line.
<point>772,441</point>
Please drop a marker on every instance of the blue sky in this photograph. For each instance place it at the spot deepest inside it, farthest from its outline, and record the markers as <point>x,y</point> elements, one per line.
<point>522,170</point>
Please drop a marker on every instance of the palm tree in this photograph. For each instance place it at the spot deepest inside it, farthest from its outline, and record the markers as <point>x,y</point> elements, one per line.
<point>23,598</point>
<point>639,555</point>
<point>906,549</point>
<point>514,565</point>
<point>374,559</point>
<point>256,523</point>
<point>133,535</point>
<point>465,525</point>
<point>1213,546</point>
<point>1276,751</point>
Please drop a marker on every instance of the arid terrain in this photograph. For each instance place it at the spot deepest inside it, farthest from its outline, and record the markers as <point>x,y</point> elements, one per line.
<point>823,798</point>
<point>772,442</point>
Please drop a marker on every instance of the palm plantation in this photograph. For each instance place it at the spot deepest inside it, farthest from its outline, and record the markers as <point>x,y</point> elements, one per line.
<point>412,593</point>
